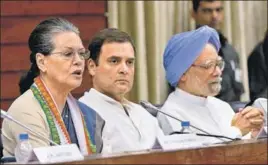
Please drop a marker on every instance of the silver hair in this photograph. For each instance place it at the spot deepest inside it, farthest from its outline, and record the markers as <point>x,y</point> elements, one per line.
<point>41,41</point>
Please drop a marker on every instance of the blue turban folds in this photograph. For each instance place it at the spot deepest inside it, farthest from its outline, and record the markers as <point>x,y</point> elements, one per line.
<point>184,48</point>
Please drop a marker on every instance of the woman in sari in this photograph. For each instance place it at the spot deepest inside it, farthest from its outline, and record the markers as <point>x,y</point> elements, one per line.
<point>46,104</point>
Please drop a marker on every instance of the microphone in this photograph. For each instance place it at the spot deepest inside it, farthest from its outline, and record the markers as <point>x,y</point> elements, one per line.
<point>4,115</point>
<point>152,109</point>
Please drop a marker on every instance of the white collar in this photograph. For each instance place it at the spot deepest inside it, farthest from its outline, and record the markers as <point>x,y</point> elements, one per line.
<point>100,96</point>
<point>202,101</point>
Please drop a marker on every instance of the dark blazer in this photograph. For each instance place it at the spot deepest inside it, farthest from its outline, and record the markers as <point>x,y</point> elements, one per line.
<point>257,73</point>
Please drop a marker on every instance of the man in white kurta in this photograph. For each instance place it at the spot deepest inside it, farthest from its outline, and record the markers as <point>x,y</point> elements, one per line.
<point>194,68</point>
<point>210,114</point>
<point>128,126</point>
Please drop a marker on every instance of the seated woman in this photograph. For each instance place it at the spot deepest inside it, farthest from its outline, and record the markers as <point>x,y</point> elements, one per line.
<point>46,105</point>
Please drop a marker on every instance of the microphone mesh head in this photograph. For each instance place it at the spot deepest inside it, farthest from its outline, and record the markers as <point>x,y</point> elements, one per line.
<point>149,107</point>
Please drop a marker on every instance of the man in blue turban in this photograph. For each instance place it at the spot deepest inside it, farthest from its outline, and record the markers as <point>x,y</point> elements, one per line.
<point>194,68</point>
<point>211,13</point>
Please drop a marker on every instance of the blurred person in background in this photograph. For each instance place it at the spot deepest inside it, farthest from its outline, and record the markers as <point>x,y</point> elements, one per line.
<point>265,49</point>
<point>257,71</point>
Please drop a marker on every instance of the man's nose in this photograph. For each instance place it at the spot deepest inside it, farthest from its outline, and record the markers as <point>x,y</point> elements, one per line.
<point>123,68</point>
<point>217,71</point>
<point>215,14</point>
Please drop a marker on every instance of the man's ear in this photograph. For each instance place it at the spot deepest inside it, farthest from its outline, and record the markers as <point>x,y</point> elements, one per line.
<point>183,77</point>
<point>91,67</point>
<point>41,62</point>
<point>193,14</point>
<point>182,80</point>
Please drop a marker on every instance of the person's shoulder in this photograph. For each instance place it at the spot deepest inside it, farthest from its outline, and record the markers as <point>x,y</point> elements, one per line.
<point>140,109</point>
<point>26,95</point>
<point>145,115</point>
<point>136,106</point>
<point>171,102</point>
<point>88,111</point>
<point>226,47</point>
<point>85,108</point>
<point>257,52</point>
<point>90,114</point>
<point>258,47</point>
<point>83,98</point>
<point>229,48</point>
<point>24,101</point>
<point>26,104</point>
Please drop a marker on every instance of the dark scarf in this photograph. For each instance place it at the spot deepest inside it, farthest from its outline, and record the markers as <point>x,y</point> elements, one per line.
<point>68,121</point>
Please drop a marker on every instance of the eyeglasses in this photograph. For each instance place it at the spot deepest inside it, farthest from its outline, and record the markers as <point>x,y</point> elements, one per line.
<point>70,54</point>
<point>211,65</point>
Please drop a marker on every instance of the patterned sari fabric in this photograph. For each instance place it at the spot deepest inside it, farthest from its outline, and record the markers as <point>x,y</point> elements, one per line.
<point>58,131</point>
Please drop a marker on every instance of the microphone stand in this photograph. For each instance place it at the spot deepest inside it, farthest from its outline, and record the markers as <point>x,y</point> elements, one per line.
<point>145,104</point>
<point>200,134</point>
<point>10,118</point>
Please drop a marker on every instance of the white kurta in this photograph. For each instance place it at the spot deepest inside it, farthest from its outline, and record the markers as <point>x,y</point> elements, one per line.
<point>210,114</point>
<point>121,132</point>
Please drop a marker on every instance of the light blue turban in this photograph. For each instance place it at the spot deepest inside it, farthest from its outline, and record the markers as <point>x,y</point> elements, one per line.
<point>184,48</point>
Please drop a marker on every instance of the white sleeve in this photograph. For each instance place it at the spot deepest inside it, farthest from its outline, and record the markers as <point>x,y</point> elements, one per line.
<point>235,132</point>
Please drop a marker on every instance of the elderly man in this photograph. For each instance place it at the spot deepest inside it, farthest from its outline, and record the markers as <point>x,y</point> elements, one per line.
<point>194,68</point>
<point>128,126</point>
<point>211,13</point>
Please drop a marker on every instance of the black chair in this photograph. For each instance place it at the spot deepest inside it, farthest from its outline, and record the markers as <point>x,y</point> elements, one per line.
<point>8,159</point>
<point>236,105</point>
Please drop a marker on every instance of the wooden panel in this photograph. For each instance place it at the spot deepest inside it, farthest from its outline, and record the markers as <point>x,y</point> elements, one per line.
<point>12,31</point>
<point>4,104</point>
<point>19,18</point>
<point>10,87</point>
<point>17,57</point>
<point>240,152</point>
<point>30,8</point>
<point>86,84</point>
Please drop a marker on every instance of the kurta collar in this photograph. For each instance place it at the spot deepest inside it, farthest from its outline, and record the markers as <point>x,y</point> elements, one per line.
<point>189,97</point>
<point>108,99</point>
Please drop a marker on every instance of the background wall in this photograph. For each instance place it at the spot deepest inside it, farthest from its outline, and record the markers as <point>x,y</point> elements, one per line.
<point>152,23</point>
<point>19,18</point>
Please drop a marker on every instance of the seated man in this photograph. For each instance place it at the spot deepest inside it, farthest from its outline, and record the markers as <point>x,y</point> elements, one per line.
<point>128,126</point>
<point>193,66</point>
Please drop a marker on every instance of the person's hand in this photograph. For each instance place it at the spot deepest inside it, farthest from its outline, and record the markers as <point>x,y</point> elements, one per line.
<point>241,123</point>
<point>248,119</point>
<point>255,132</point>
<point>255,116</point>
